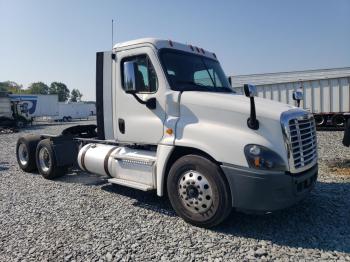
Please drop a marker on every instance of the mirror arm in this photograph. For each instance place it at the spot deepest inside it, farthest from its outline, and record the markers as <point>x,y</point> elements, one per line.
<point>150,103</point>
<point>252,122</point>
<point>137,98</point>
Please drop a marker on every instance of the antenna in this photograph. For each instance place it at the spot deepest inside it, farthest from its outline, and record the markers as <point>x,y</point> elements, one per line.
<point>112,33</point>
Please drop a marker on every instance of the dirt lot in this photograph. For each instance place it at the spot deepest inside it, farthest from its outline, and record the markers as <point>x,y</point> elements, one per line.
<point>80,217</point>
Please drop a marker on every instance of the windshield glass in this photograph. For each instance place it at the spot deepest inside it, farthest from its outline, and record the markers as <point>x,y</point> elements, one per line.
<point>189,72</point>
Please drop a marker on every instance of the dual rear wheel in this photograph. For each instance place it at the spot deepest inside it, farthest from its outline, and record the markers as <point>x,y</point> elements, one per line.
<point>36,154</point>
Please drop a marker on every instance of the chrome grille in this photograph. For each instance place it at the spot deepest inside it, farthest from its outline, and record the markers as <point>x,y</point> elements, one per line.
<point>300,134</point>
<point>303,141</point>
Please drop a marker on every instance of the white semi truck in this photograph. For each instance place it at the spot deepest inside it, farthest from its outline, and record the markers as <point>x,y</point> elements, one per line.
<point>168,121</point>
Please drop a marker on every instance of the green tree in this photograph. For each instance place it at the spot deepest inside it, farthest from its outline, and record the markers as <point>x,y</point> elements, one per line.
<point>75,95</point>
<point>10,86</point>
<point>60,89</point>
<point>38,88</point>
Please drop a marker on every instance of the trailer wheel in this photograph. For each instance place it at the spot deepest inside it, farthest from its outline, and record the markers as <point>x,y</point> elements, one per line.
<point>69,119</point>
<point>319,119</point>
<point>64,119</point>
<point>198,191</point>
<point>338,120</point>
<point>25,152</point>
<point>46,161</point>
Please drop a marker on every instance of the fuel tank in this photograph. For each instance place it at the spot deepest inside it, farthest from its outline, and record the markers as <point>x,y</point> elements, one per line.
<point>121,162</point>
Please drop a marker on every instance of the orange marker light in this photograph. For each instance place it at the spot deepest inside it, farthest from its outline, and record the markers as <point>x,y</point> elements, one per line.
<point>257,161</point>
<point>169,131</point>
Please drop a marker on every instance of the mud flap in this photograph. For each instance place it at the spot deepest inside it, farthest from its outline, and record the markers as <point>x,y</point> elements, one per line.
<point>346,138</point>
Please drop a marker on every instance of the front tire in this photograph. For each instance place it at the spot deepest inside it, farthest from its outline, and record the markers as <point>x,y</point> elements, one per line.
<point>25,152</point>
<point>46,161</point>
<point>198,191</point>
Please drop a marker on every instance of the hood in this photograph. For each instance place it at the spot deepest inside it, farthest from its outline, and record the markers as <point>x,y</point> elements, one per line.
<point>240,104</point>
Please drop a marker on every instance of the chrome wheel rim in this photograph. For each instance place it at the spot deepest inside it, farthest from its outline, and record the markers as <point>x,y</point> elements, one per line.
<point>23,154</point>
<point>44,159</point>
<point>195,192</point>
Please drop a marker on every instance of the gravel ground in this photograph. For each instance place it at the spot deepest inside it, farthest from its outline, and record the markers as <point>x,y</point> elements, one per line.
<point>80,217</point>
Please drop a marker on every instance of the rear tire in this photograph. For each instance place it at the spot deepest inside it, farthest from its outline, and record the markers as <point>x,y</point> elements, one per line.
<point>338,120</point>
<point>25,152</point>
<point>320,120</point>
<point>46,161</point>
<point>198,191</point>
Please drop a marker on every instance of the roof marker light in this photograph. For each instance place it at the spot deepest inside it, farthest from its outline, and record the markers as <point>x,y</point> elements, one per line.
<point>191,47</point>
<point>171,43</point>
<point>214,55</point>
<point>197,49</point>
<point>203,52</point>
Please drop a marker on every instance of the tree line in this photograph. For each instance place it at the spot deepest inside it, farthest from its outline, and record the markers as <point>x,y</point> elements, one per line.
<point>40,88</point>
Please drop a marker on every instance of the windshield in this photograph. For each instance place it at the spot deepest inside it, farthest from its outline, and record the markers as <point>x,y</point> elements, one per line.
<point>189,72</point>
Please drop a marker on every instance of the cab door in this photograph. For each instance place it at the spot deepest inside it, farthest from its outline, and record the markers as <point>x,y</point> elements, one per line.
<point>137,122</point>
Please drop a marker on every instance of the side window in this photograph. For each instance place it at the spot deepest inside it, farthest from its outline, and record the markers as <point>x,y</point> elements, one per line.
<point>145,75</point>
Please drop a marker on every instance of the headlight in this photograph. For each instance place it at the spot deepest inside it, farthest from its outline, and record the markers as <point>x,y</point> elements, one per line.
<point>260,157</point>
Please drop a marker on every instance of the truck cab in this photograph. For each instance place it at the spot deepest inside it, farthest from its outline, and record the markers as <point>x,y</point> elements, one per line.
<point>168,120</point>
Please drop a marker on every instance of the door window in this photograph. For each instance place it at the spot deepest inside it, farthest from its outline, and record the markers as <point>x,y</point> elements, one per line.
<point>145,74</point>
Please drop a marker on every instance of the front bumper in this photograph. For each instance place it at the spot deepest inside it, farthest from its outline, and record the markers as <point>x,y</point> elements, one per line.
<point>264,191</point>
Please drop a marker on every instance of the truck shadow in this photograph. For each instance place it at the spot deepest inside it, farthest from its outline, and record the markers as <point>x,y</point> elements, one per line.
<point>148,200</point>
<point>316,222</point>
<point>320,221</point>
<point>83,178</point>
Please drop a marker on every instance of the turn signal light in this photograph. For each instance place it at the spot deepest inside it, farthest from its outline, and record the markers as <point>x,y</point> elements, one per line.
<point>169,131</point>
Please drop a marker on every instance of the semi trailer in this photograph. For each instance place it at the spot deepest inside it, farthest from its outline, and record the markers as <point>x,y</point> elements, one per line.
<point>20,110</point>
<point>32,106</point>
<point>326,92</point>
<point>168,122</point>
<point>74,110</point>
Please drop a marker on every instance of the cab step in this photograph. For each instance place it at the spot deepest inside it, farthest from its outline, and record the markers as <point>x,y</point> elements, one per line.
<point>131,184</point>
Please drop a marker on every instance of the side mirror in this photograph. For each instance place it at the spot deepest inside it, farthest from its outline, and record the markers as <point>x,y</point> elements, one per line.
<point>250,90</point>
<point>130,77</point>
<point>297,95</point>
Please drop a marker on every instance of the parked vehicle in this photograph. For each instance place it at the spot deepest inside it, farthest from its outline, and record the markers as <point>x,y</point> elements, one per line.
<point>168,121</point>
<point>32,106</point>
<point>326,92</point>
<point>77,110</point>
<point>12,112</point>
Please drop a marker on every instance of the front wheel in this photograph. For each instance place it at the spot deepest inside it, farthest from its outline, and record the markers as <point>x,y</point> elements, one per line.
<point>198,191</point>
<point>46,161</point>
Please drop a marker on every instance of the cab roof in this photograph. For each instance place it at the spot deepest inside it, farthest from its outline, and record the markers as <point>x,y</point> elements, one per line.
<point>161,43</point>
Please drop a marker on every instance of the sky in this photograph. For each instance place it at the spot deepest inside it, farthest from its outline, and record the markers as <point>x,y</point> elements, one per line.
<point>46,40</point>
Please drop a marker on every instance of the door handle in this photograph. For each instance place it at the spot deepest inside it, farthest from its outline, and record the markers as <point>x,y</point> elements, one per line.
<point>121,124</point>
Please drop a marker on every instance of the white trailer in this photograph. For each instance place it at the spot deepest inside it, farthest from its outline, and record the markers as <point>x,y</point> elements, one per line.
<point>33,106</point>
<point>168,122</point>
<point>78,110</point>
<point>326,92</point>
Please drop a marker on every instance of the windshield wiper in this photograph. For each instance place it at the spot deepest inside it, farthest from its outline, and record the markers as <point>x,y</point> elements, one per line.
<point>190,83</point>
<point>201,87</point>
